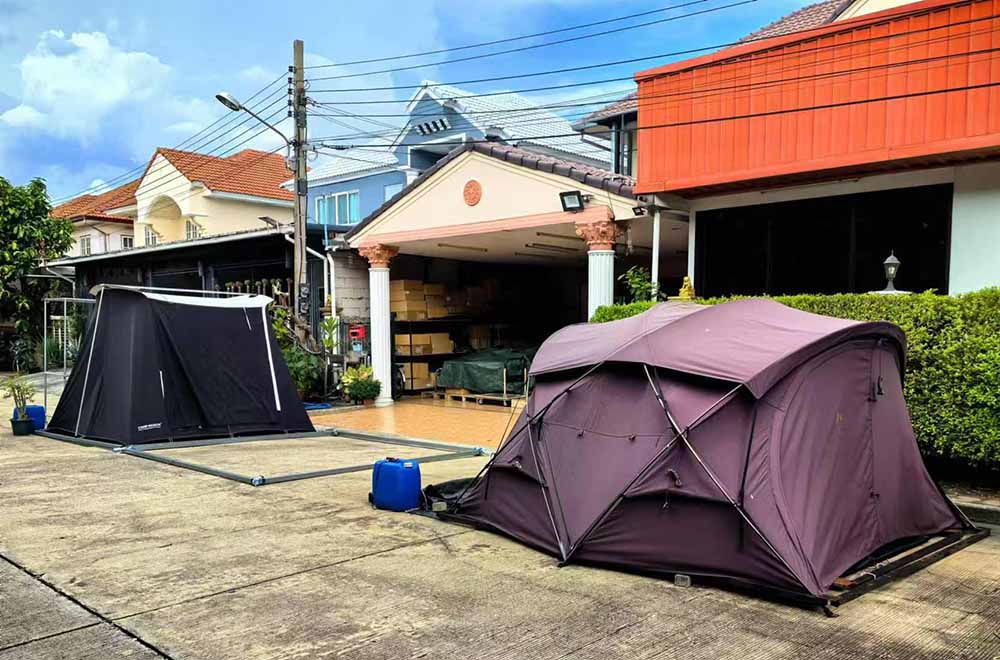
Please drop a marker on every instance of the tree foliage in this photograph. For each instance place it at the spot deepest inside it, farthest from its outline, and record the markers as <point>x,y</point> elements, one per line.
<point>27,236</point>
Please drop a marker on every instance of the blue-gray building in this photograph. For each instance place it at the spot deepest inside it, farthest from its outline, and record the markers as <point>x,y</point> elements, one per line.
<point>347,187</point>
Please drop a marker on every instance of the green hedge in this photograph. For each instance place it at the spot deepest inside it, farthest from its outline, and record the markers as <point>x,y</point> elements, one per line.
<point>952,380</point>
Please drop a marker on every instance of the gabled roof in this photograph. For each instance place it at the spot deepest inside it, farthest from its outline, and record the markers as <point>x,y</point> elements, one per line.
<point>249,172</point>
<point>616,184</point>
<point>626,104</point>
<point>352,161</point>
<point>95,207</point>
<point>810,16</point>
<point>518,119</point>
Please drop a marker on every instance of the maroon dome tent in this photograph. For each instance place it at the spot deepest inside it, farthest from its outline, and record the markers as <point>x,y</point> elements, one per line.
<point>745,442</point>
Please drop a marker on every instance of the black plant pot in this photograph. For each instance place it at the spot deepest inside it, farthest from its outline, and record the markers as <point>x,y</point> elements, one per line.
<point>22,426</point>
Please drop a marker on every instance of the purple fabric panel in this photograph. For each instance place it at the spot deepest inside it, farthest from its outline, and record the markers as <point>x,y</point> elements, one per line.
<point>823,461</point>
<point>590,469</point>
<point>760,505</point>
<point>690,536</point>
<point>909,503</point>
<point>589,343</point>
<point>721,442</point>
<point>512,504</point>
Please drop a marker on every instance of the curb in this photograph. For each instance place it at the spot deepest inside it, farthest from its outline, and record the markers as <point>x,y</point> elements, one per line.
<point>982,513</point>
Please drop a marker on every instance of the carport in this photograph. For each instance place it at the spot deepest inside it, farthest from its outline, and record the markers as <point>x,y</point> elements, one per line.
<point>509,212</point>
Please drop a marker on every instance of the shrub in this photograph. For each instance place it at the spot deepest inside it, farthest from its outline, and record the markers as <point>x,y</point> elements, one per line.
<point>305,368</point>
<point>359,384</point>
<point>952,380</point>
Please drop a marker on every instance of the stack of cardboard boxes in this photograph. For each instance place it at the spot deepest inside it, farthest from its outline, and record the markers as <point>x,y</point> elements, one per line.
<point>418,372</point>
<point>413,300</point>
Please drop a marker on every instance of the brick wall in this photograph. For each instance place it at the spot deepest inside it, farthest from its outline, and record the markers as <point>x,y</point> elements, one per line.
<point>352,286</point>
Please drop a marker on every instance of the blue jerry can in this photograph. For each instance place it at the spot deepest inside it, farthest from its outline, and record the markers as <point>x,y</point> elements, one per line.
<point>36,414</point>
<point>396,484</point>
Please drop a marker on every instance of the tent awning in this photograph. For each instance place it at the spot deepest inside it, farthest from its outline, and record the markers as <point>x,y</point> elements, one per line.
<point>754,341</point>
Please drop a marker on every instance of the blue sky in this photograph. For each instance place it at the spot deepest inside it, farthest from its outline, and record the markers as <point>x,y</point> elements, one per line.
<point>89,90</point>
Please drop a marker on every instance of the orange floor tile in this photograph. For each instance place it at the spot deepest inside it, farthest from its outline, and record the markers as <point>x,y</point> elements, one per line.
<point>446,421</point>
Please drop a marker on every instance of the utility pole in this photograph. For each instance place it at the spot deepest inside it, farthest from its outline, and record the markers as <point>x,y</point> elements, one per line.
<point>299,143</point>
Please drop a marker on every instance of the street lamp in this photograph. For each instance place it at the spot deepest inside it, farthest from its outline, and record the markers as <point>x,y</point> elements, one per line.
<point>230,101</point>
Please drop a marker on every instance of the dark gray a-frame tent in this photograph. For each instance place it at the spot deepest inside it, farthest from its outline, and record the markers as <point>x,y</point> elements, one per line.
<point>747,442</point>
<point>157,367</point>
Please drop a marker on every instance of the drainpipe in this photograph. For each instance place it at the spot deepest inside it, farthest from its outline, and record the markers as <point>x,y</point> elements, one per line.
<point>655,266</point>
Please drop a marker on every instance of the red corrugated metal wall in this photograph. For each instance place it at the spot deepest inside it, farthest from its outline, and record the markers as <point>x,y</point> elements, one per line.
<point>709,125</point>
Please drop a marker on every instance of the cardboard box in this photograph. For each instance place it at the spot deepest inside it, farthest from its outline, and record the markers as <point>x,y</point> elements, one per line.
<point>407,306</point>
<point>415,286</point>
<point>437,301</point>
<point>404,295</point>
<point>413,344</point>
<point>433,289</point>
<point>441,343</point>
<point>435,312</point>
<point>411,316</point>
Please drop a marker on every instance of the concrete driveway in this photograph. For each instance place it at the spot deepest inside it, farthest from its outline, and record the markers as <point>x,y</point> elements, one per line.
<point>109,556</point>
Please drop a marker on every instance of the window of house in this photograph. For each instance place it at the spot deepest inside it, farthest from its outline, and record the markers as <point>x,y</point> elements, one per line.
<point>152,238</point>
<point>338,208</point>
<point>391,190</point>
<point>85,246</point>
<point>192,229</point>
<point>128,242</point>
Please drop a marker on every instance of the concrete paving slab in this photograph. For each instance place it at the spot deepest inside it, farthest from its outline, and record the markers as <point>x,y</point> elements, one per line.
<point>29,610</point>
<point>100,642</point>
<point>204,568</point>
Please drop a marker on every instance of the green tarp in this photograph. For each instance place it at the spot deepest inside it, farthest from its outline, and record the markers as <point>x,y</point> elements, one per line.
<point>482,372</point>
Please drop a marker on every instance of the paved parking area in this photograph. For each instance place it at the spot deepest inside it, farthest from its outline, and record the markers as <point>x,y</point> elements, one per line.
<point>139,560</point>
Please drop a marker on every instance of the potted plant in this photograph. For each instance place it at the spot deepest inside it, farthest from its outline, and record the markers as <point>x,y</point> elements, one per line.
<point>19,389</point>
<point>359,384</point>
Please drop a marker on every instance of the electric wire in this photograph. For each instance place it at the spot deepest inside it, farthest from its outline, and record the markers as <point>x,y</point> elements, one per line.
<point>755,56</point>
<point>542,45</point>
<point>751,115</point>
<point>496,41</point>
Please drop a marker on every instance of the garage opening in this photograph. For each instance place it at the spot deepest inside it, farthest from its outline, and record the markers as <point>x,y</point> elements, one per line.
<point>826,245</point>
<point>447,310</point>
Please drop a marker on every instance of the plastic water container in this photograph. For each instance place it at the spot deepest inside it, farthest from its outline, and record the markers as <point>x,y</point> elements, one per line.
<point>36,414</point>
<point>396,484</point>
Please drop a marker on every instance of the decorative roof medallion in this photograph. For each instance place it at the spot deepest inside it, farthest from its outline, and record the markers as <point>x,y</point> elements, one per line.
<point>472,192</point>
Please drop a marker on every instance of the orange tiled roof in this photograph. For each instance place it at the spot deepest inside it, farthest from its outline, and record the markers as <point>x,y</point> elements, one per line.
<point>96,206</point>
<point>249,172</point>
<point>810,16</point>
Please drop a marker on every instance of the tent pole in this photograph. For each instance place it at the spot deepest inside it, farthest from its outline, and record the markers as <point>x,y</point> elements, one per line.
<point>663,452</point>
<point>476,479</point>
<point>711,474</point>
<point>90,358</point>
<point>545,496</point>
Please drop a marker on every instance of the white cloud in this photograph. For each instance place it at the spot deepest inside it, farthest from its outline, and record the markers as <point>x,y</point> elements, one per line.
<point>75,82</point>
<point>23,116</point>
<point>97,186</point>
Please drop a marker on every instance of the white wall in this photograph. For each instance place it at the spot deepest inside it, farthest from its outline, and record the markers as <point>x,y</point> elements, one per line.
<point>975,228</point>
<point>108,241</point>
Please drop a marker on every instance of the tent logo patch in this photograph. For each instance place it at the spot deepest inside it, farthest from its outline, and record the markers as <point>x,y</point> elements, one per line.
<point>149,427</point>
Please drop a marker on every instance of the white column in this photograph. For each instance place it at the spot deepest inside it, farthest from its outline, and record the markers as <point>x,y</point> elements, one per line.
<point>378,283</point>
<point>378,257</point>
<point>600,279</point>
<point>655,266</point>
<point>691,239</point>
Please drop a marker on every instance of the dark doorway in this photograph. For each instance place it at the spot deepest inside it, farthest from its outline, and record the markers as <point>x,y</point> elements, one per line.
<point>826,245</point>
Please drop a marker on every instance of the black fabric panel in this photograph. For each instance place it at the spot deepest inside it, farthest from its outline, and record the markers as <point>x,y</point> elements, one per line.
<point>163,371</point>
